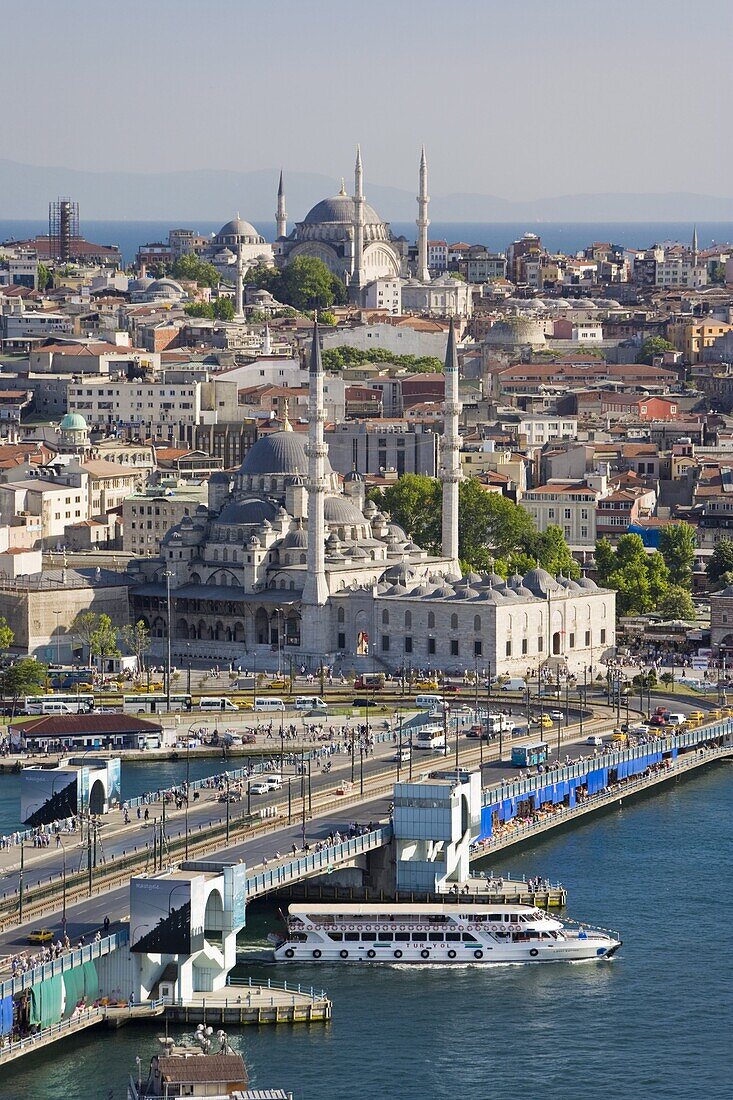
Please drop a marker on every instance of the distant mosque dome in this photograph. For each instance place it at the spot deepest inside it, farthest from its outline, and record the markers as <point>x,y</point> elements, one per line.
<point>278,453</point>
<point>333,219</point>
<point>515,331</point>
<point>165,288</point>
<point>73,422</point>
<point>235,231</point>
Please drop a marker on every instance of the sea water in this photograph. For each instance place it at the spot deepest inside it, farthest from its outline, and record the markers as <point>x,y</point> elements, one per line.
<point>654,1023</point>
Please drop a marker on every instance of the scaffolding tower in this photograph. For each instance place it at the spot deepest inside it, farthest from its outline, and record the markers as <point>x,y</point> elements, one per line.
<point>63,229</point>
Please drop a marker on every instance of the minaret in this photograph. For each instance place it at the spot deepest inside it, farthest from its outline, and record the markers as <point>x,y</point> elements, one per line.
<point>694,245</point>
<point>356,282</point>
<point>423,272</point>
<point>266,341</point>
<point>450,471</point>
<point>281,218</point>
<point>239,297</point>
<point>315,589</point>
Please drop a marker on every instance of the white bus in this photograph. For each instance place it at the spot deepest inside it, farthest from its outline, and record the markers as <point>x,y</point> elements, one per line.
<point>58,704</point>
<point>429,737</point>
<point>154,704</point>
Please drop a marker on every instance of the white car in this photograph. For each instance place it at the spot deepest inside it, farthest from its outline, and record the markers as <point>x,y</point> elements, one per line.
<point>594,739</point>
<point>557,715</point>
<point>259,788</point>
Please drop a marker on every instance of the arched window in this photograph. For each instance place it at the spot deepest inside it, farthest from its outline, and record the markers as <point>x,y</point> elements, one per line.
<point>225,554</point>
<point>454,622</point>
<point>477,623</point>
<point>431,620</point>
<point>385,618</point>
<point>340,615</point>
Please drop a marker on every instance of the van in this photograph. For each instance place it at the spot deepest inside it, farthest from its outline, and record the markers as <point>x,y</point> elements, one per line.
<point>47,707</point>
<point>274,782</point>
<point>678,719</point>
<point>264,702</point>
<point>429,702</point>
<point>309,702</point>
<point>514,683</point>
<point>217,702</point>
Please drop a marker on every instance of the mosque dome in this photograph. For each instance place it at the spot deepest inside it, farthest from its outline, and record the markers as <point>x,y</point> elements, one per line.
<point>540,582</point>
<point>250,511</point>
<point>296,540</point>
<point>73,422</point>
<point>514,331</point>
<point>339,208</point>
<point>278,453</point>
<point>230,235</point>
<point>587,584</point>
<point>340,510</point>
<point>165,288</point>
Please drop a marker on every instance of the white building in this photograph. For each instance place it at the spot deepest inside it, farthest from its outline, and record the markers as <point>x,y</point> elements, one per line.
<point>539,430</point>
<point>384,293</point>
<point>152,407</point>
<point>438,256</point>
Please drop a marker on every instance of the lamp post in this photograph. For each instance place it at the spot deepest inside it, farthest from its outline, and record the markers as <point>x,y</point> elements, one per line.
<point>168,574</point>
<point>279,613</point>
<point>63,886</point>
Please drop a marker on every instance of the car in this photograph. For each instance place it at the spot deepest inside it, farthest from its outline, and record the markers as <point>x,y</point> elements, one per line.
<point>41,935</point>
<point>361,702</point>
<point>401,756</point>
<point>543,720</point>
<point>259,788</point>
<point>278,682</point>
<point>695,716</point>
<point>426,685</point>
<point>594,739</point>
<point>557,715</point>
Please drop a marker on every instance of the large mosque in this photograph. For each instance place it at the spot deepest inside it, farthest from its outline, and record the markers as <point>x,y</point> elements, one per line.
<point>290,559</point>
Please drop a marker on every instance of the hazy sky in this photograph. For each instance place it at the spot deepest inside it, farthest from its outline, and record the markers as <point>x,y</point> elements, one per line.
<point>517,98</point>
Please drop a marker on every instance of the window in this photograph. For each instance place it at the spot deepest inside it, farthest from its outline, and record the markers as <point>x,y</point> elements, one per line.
<point>509,648</point>
<point>408,644</point>
<point>454,648</point>
<point>402,937</point>
<point>431,620</point>
<point>603,636</point>
<point>525,647</point>
<point>571,641</point>
<point>385,618</point>
<point>477,623</point>
<point>540,644</point>
<point>431,645</point>
<point>385,643</point>
<point>454,622</point>
<point>477,647</point>
<point>369,937</point>
<point>587,637</point>
<point>341,641</point>
<point>567,513</point>
<point>419,937</point>
<point>351,937</point>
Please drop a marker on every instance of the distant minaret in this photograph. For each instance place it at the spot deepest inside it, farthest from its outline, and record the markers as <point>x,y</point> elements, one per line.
<point>315,589</point>
<point>239,298</point>
<point>423,272</point>
<point>266,341</point>
<point>281,218</point>
<point>356,281</point>
<point>450,472</point>
<point>694,244</point>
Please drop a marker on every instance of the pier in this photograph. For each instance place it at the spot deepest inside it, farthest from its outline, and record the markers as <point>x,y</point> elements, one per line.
<point>243,1002</point>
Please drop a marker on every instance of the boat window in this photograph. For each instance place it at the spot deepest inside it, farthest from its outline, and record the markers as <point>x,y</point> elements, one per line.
<point>453,937</point>
<point>467,937</point>
<point>419,937</point>
<point>514,918</point>
<point>370,937</point>
<point>436,937</point>
<point>298,937</point>
<point>351,937</point>
<point>495,916</point>
<point>385,937</point>
<point>402,937</point>
<point>338,936</point>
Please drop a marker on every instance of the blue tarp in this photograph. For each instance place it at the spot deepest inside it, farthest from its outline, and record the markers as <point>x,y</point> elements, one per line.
<point>6,1016</point>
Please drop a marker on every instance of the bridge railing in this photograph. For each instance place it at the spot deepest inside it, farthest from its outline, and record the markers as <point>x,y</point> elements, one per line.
<point>324,860</point>
<point>67,961</point>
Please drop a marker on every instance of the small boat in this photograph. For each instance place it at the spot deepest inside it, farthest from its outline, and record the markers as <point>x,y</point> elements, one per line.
<point>443,932</point>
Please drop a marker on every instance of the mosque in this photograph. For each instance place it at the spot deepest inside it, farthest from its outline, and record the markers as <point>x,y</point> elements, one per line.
<point>290,560</point>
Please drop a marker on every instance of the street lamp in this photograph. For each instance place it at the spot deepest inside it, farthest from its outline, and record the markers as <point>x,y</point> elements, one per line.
<point>280,619</point>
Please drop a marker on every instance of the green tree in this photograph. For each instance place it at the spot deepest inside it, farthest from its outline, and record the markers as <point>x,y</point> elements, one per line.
<point>677,547</point>
<point>24,677</point>
<point>43,277</point>
<point>717,274</point>
<point>641,580</point>
<point>200,309</point>
<point>677,603</point>
<point>325,317</point>
<point>192,267</point>
<point>307,283</point>
<point>103,641</point>
<point>136,637</point>
<point>83,626</point>
<point>653,345</point>
<point>338,358</point>
<point>720,564</point>
<point>553,553</point>
<point>7,634</point>
<point>414,502</point>
<point>224,309</point>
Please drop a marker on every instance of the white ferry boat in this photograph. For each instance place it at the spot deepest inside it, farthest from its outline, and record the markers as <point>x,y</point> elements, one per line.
<point>434,933</point>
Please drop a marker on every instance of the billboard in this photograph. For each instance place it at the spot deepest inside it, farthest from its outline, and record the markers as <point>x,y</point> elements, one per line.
<point>235,895</point>
<point>47,795</point>
<point>167,915</point>
<point>114,782</point>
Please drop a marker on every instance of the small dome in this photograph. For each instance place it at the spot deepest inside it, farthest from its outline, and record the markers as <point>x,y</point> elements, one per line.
<point>340,510</point>
<point>165,288</point>
<point>238,230</point>
<point>587,584</point>
<point>256,510</point>
<point>353,475</point>
<point>540,582</point>
<point>395,530</point>
<point>73,422</point>
<point>296,540</point>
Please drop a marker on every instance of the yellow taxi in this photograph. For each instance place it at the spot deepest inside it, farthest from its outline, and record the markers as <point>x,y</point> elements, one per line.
<point>426,685</point>
<point>278,683</point>
<point>41,935</point>
<point>544,721</point>
<point>695,716</point>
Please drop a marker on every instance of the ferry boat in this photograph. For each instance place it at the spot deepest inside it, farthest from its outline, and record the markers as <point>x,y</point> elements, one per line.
<point>455,932</point>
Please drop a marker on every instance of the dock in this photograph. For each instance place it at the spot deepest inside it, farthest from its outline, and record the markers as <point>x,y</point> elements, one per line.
<point>244,1002</point>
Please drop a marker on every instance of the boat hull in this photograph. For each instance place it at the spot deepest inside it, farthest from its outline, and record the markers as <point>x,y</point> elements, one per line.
<point>570,950</point>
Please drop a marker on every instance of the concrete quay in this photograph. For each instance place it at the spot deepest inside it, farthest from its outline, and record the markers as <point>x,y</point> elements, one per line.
<point>245,1003</point>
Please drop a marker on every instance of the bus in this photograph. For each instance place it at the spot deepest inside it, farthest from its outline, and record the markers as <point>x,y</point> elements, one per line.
<point>58,703</point>
<point>65,677</point>
<point>429,737</point>
<point>527,755</point>
<point>155,703</point>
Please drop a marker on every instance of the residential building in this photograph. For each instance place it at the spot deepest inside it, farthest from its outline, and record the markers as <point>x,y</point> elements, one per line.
<point>148,515</point>
<point>374,446</point>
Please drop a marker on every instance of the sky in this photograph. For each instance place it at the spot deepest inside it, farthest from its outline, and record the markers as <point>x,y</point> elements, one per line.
<point>516,98</point>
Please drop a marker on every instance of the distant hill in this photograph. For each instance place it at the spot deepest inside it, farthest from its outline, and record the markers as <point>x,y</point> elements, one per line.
<point>25,191</point>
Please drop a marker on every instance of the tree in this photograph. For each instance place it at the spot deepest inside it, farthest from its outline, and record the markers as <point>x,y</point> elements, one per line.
<point>414,502</point>
<point>224,309</point>
<point>200,309</point>
<point>346,356</point>
<point>641,580</point>
<point>677,547</point>
<point>677,603</point>
<point>653,345</point>
<point>307,283</point>
<point>550,548</point>
<point>136,637</point>
<point>83,626</point>
<point>194,268</point>
<point>103,641</point>
<point>7,634</point>
<point>43,276</point>
<point>325,317</point>
<point>24,677</point>
<point>717,274</point>
<point>720,564</point>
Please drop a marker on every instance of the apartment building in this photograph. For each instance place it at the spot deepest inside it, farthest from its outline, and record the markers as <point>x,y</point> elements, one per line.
<point>570,505</point>
<point>148,515</point>
<point>153,408</point>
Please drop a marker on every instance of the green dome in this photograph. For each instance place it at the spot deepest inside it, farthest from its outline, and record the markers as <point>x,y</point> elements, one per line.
<point>73,422</point>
